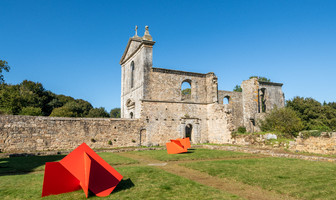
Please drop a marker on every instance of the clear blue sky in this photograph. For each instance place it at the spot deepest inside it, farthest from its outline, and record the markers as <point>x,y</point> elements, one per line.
<point>74,47</point>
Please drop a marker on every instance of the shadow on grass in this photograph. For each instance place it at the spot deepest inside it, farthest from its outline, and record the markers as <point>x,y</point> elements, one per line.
<point>27,164</point>
<point>187,152</point>
<point>124,185</point>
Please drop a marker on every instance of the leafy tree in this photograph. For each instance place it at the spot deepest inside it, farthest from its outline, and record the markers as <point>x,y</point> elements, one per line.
<point>283,120</point>
<point>261,78</point>
<point>10,99</point>
<point>186,91</point>
<point>62,112</point>
<point>237,88</point>
<point>115,113</point>
<point>32,111</point>
<point>98,112</point>
<point>3,66</point>
<point>314,115</point>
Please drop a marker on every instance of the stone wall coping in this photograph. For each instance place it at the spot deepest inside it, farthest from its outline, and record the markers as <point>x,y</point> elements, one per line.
<point>178,72</point>
<point>270,83</point>
<point>68,118</point>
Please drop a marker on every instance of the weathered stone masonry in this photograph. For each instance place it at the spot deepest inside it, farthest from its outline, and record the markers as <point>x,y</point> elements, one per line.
<point>30,134</point>
<point>154,96</point>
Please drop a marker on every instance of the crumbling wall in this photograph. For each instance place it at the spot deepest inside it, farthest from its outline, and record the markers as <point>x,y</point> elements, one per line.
<point>30,134</point>
<point>235,106</point>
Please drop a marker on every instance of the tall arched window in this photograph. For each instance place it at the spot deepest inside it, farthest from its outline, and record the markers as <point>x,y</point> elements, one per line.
<point>186,90</point>
<point>226,100</point>
<point>132,74</point>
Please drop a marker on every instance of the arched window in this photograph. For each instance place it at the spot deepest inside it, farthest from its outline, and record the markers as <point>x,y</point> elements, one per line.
<point>226,100</point>
<point>186,90</point>
<point>131,115</point>
<point>132,74</point>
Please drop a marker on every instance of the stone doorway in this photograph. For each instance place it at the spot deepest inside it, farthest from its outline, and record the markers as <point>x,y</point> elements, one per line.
<point>142,138</point>
<point>188,131</point>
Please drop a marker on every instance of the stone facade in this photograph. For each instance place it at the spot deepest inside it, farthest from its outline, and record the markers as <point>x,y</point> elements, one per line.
<point>154,95</point>
<point>154,109</point>
<point>31,134</point>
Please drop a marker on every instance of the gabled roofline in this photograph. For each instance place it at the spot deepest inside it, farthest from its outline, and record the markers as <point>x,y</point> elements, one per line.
<point>138,39</point>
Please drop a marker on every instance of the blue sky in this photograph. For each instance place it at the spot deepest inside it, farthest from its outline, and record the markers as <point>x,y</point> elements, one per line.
<point>74,47</point>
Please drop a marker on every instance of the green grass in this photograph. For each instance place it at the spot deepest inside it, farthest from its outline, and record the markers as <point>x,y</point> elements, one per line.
<point>298,178</point>
<point>36,163</point>
<point>138,183</point>
<point>196,154</point>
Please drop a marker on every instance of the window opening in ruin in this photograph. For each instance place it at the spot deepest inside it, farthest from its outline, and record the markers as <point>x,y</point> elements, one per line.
<point>226,100</point>
<point>188,131</point>
<point>131,115</point>
<point>132,74</point>
<point>186,90</point>
<point>263,99</point>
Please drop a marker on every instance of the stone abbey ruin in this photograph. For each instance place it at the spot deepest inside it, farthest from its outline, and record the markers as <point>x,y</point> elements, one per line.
<point>153,110</point>
<point>153,95</point>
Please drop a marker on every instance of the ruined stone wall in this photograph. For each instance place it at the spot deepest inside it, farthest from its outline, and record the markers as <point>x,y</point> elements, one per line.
<point>220,123</point>
<point>29,133</point>
<point>235,106</point>
<point>250,103</point>
<point>274,95</point>
<point>165,85</point>
<point>319,145</point>
<point>168,120</point>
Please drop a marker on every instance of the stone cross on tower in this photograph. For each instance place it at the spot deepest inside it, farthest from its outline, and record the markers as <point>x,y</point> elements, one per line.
<point>136,31</point>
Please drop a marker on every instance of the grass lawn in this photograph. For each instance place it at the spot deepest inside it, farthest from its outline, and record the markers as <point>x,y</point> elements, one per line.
<point>139,182</point>
<point>36,163</point>
<point>195,154</point>
<point>298,178</point>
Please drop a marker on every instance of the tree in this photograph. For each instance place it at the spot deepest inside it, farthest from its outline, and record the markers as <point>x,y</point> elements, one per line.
<point>62,112</point>
<point>283,120</point>
<point>98,112</point>
<point>115,113</point>
<point>3,66</point>
<point>237,88</point>
<point>32,111</point>
<point>186,91</point>
<point>261,78</point>
<point>313,114</point>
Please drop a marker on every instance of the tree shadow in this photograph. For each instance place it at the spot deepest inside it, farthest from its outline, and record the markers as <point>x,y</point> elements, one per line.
<point>25,164</point>
<point>124,185</point>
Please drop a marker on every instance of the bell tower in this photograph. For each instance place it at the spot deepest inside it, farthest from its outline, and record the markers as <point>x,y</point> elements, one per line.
<point>136,65</point>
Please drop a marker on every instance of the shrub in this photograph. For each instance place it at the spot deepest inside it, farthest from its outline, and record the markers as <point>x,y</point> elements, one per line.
<point>109,142</point>
<point>283,120</point>
<point>241,129</point>
<point>32,111</point>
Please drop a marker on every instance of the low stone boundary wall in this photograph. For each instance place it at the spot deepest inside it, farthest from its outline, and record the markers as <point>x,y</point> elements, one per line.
<point>32,134</point>
<point>325,144</point>
<point>269,152</point>
<point>319,145</point>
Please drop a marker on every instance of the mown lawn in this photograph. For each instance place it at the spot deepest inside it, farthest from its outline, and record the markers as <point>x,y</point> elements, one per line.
<point>139,182</point>
<point>298,178</point>
<point>194,154</point>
